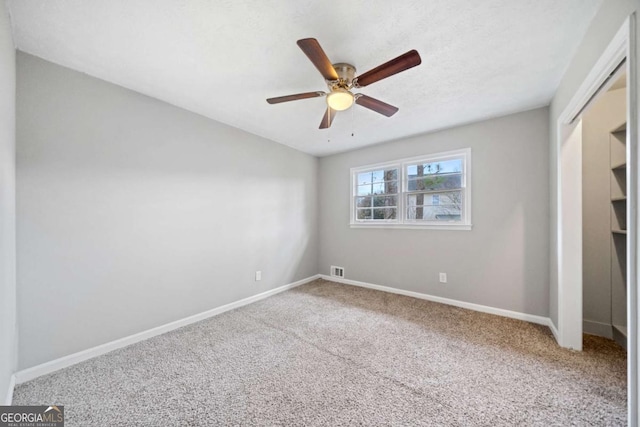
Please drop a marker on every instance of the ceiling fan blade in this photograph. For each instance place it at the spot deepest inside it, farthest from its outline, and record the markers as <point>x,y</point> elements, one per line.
<point>328,118</point>
<point>395,66</point>
<point>312,49</point>
<point>376,105</point>
<point>295,97</point>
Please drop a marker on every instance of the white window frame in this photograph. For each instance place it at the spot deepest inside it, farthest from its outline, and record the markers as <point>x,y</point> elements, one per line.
<point>401,165</point>
<point>370,168</point>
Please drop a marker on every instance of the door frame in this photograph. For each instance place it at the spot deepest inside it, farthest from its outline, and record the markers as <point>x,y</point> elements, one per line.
<point>569,203</point>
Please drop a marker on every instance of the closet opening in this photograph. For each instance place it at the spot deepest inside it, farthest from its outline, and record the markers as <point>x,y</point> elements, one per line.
<point>605,279</point>
<point>604,212</point>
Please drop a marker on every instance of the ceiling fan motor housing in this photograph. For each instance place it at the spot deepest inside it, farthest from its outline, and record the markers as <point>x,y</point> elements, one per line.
<point>346,74</point>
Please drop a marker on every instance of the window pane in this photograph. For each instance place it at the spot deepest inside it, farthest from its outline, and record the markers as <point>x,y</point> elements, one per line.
<point>384,213</point>
<point>377,176</point>
<point>435,207</point>
<point>364,178</point>
<point>446,166</point>
<point>376,214</point>
<point>453,198</point>
<point>435,182</point>
<point>363,202</point>
<point>379,188</point>
<point>379,201</point>
<point>390,175</point>
<point>434,176</point>
<point>390,187</point>
<point>364,214</point>
<point>364,190</point>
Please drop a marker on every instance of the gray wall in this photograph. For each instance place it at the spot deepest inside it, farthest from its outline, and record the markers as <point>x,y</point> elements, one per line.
<point>8,333</point>
<point>606,23</point>
<point>604,115</point>
<point>133,213</point>
<point>503,262</point>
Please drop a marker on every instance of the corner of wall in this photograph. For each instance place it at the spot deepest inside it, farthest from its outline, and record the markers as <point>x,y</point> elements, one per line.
<point>8,329</point>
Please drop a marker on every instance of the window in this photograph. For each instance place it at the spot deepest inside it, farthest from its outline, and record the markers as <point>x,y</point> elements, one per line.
<point>376,195</point>
<point>423,192</point>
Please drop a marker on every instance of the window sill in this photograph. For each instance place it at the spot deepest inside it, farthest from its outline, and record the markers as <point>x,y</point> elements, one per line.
<point>458,227</point>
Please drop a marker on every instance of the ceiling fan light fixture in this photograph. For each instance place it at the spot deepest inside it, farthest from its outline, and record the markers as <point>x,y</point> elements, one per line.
<point>340,99</point>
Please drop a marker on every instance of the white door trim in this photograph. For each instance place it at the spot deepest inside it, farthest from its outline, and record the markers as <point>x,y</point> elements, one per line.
<point>569,156</point>
<point>569,209</point>
<point>633,298</point>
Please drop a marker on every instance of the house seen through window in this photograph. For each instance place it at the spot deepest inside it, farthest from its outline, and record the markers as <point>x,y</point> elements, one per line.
<point>434,190</point>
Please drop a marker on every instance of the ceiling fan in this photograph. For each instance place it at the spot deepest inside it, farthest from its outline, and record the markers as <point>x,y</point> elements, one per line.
<point>341,80</point>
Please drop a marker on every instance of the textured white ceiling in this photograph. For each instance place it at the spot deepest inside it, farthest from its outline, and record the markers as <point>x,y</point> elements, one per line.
<point>222,58</point>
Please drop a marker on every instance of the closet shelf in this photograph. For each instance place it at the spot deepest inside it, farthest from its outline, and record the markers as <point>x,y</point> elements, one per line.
<point>618,224</point>
<point>621,128</point>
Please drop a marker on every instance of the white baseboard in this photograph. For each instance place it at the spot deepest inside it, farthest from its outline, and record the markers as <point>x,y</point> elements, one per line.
<point>597,328</point>
<point>65,361</point>
<point>554,331</point>
<point>620,335</point>
<point>9,396</point>
<point>468,305</point>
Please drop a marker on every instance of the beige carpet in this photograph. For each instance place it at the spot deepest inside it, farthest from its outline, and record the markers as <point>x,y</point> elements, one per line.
<point>330,354</point>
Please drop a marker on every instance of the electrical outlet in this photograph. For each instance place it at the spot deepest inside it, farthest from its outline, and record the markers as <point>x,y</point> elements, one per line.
<point>258,276</point>
<point>443,277</point>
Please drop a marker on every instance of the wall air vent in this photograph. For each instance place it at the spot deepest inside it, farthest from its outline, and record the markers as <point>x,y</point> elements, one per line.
<point>337,271</point>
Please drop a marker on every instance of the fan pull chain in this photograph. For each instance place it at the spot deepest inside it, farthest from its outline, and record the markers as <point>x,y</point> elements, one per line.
<point>329,121</point>
<point>353,120</point>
